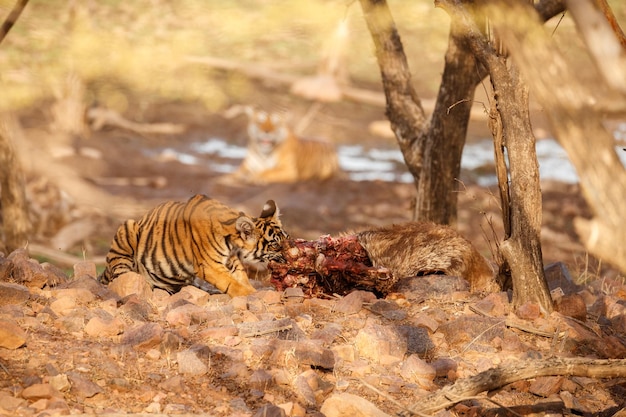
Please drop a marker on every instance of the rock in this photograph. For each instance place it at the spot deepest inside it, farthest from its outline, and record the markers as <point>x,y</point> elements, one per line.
<point>444,366</point>
<point>418,371</point>
<point>60,382</point>
<point>56,276</point>
<point>305,386</point>
<point>418,339</point>
<point>375,341</point>
<point>293,295</point>
<point>13,294</point>
<point>478,330</point>
<point>270,410</point>
<point>349,405</point>
<point>558,276</point>
<point>170,343</point>
<point>39,391</point>
<point>174,384</point>
<point>85,269</point>
<point>494,304</point>
<point>190,364</point>
<point>528,311</point>
<point>261,380</point>
<point>268,297</point>
<point>302,352</point>
<point>131,283</point>
<point>11,335</point>
<point>353,302</point>
<point>328,333</point>
<point>136,308</point>
<point>192,294</point>
<point>9,404</point>
<point>102,327</point>
<point>185,315</point>
<point>80,295</point>
<point>572,305</point>
<point>345,352</point>
<point>218,332</point>
<point>545,386</point>
<point>86,282</point>
<point>20,269</point>
<point>284,329</point>
<point>426,322</point>
<point>82,386</point>
<point>144,336</point>
<point>190,361</point>
<point>63,306</point>
<point>388,309</point>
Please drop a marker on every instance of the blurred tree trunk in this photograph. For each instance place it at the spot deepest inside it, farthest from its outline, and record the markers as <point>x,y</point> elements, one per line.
<point>15,222</point>
<point>432,149</point>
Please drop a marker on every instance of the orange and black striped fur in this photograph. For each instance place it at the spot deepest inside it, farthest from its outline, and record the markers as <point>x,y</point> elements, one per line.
<point>276,154</point>
<point>176,241</point>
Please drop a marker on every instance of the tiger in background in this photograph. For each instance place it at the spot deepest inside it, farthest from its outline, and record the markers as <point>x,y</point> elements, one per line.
<point>178,241</point>
<point>276,154</point>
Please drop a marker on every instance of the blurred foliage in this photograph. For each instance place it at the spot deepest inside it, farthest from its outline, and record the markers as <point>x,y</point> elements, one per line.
<point>121,48</point>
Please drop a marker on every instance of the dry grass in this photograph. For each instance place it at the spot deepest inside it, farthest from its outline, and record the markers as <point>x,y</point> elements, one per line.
<point>118,47</point>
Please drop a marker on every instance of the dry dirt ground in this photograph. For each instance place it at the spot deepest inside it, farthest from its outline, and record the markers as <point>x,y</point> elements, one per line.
<point>201,355</point>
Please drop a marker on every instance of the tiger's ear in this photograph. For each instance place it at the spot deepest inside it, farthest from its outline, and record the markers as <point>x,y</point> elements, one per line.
<point>245,227</point>
<point>269,210</point>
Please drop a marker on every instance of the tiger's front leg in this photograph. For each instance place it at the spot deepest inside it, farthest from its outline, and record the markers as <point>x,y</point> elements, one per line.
<point>230,278</point>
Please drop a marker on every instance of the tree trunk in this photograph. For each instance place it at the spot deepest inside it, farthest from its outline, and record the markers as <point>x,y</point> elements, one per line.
<point>521,199</point>
<point>522,249</point>
<point>432,151</point>
<point>577,125</point>
<point>15,222</point>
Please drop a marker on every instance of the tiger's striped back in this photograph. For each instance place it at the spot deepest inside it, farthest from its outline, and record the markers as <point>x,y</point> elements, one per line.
<point>176,241</point>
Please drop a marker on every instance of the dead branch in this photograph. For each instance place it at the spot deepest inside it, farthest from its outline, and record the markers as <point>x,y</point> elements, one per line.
<point>100,117</point>
<point>498,377</point>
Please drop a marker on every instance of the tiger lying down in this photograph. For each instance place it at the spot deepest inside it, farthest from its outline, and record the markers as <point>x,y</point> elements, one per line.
<point>175,243</point>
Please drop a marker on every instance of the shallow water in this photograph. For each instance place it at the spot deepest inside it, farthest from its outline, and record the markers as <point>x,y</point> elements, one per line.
<point>374,164</point>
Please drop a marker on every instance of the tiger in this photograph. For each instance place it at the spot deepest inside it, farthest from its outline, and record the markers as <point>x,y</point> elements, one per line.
<point>176,242</point>
<point>275,154</point>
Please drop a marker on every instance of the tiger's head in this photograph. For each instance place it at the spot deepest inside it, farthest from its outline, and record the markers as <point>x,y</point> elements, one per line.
<point>265,235</point>
<point>266,131</point>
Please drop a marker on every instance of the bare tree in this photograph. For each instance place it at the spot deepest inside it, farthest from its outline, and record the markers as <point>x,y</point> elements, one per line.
<point>432,149</point>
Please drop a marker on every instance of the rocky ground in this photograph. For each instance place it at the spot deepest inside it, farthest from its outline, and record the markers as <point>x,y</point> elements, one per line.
<point>78,347</point>
<point>71,346</point>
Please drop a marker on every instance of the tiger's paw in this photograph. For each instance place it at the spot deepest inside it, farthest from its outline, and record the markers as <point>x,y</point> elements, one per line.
<point>236,289</point>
